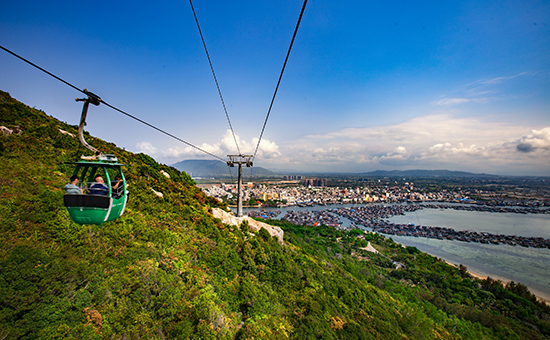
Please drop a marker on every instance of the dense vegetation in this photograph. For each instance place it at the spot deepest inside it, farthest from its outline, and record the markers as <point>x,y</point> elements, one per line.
<point>167,269</point>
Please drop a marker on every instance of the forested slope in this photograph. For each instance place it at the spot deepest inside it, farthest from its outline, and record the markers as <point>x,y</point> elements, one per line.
<point>168,270</point>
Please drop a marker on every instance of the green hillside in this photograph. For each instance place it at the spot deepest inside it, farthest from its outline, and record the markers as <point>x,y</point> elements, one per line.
<point>168,270</point>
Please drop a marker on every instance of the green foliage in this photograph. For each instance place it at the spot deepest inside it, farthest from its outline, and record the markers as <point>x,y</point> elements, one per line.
<point>167,269</point>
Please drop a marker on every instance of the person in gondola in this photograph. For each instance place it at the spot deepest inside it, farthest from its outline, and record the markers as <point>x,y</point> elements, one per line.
<point>118,187</point>
<point>99,187</point>
<point>72,187</point>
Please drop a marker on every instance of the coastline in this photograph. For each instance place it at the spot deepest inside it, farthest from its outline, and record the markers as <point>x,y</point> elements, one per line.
<point>501,279</point>
<point>501,262</point>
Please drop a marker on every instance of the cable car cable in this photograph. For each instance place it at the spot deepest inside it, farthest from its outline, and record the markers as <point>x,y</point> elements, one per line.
<point>280,76</point>
<point>41,69</point>
<point>214,74</point>
<point>111,106</point>
<point>162,131</point>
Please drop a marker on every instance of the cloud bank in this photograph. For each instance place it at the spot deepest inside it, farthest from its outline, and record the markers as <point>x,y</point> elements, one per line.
<point>431,142</point>
<point>267,150</point>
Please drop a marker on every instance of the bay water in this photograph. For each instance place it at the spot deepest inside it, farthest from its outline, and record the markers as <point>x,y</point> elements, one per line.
<point>529,266</point>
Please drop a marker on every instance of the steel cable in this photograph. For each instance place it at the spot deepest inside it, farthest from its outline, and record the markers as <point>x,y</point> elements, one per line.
<point>280,77</point>
<point>111,106</point>
<point>215,78</point>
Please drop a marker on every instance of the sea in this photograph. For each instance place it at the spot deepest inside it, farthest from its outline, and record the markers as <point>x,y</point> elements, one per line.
<point>529,266</point>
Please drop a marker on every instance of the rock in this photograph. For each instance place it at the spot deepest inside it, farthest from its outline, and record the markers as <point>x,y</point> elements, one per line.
<point>231,219</point>
<point>158,193</point>
<point>165,173</point>
<point>66,133</point>
<point>6,131</point>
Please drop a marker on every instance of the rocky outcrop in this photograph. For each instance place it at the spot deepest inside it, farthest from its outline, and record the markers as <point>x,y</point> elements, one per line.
<point>66,133</point>
<point>229,218</point>
<point>7,131</point>
<point>158,193</point>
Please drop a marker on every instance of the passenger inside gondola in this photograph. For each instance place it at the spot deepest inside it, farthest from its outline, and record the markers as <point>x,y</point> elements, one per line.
<point>72,187</point>
<point>99,187</point>
<point>118,187</point>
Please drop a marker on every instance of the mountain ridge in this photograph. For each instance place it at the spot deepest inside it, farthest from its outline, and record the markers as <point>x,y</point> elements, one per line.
<point>426,173</point>
<point>198,168</point>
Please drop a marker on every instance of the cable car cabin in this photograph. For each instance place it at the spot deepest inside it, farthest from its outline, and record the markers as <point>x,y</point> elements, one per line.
<point>99,203</point>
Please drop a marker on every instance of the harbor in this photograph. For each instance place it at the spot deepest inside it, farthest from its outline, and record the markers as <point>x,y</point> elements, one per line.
<point>374,217</point>
<point>528,265</point>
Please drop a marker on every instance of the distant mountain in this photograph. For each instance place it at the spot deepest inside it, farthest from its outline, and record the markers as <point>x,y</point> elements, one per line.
<point>212,168</point>
<point>390,173</point>
<point>424,173</point>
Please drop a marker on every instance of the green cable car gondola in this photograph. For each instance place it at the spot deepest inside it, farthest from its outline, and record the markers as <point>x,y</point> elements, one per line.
<point>92,208</point>
<point>103,202</point>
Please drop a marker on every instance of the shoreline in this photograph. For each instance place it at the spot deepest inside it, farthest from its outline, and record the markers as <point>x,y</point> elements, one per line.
<point>501,279</point>
<point>541,294</point>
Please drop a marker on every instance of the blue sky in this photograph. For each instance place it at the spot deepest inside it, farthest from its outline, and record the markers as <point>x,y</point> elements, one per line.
<point>459,85</point>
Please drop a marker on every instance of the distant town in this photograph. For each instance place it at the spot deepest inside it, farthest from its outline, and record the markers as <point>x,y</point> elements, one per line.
<point>497,195</point>
<point>301,191</point>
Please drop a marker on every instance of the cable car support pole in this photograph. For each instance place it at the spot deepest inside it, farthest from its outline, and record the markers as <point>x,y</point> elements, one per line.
<point>240,160</point>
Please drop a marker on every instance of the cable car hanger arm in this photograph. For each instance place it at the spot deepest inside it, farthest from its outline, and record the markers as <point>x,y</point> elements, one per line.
<point>94,99</point>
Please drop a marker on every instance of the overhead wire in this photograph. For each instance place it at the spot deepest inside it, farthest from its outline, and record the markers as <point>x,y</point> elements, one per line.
<point>214,74</point>
<point>111,106</point>
<point>162,131</point>
<point>230,173</point>
<point>215,79</point>
<point>41,69</point>
<point>280,77</point>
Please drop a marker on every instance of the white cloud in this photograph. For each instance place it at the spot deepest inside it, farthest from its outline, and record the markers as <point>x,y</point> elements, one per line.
<point>480,91</point>
<point>498,80</point>
<point>451,101</point>
<point>225,146</point>
<point>400,150</point>
<point>457,101</point>
<point>147,148</point>
<point>536,140</point>
<point>396,157</point>
<point>267,149</point>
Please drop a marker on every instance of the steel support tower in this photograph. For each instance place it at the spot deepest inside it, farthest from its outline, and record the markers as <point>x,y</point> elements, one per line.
<point>240,160</point>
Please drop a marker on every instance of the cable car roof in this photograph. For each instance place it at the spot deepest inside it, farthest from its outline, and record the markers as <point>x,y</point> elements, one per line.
<point>99,163</point>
